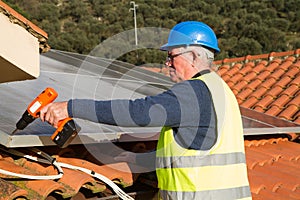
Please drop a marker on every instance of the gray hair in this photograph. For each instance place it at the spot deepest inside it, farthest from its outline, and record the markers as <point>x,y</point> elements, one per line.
<point>202,52</point>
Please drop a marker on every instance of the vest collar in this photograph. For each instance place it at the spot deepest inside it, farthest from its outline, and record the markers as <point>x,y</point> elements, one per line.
<point>206,71</point>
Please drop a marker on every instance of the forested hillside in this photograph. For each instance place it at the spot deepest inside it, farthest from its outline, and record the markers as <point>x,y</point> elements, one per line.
<point>242,26</point>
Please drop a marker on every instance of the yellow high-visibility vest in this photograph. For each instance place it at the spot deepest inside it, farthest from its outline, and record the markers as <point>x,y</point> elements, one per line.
<point>217,173</point>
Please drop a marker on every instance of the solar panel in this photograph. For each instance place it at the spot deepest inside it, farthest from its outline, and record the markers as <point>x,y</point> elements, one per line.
<point>79,76</point>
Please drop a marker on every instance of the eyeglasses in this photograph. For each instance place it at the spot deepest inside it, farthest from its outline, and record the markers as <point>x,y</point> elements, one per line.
<point>170,57</point>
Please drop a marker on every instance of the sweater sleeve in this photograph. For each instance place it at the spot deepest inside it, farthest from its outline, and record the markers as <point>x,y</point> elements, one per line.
<point>149,111</point>
<point>165,109</point>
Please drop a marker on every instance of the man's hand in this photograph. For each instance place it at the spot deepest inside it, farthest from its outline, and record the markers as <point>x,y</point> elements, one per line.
<point>54,112</point>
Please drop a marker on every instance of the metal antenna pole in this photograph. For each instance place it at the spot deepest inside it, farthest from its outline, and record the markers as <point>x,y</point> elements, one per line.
<point>134,15</point>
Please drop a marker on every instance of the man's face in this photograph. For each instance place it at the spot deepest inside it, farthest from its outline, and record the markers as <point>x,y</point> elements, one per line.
<point>179,65</point>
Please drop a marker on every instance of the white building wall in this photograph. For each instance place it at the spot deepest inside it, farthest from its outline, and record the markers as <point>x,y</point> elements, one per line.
<point>19,52</point>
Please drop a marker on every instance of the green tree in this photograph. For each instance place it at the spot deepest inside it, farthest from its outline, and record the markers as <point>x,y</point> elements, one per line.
<point>246,46</point>
<point>243,27</point>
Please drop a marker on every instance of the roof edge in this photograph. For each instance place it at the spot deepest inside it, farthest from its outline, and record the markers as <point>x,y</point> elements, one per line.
<point>17,18</point>
<point>269,56</point>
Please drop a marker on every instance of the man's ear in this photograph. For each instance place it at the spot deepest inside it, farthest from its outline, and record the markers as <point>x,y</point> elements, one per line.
<point>194,55</point>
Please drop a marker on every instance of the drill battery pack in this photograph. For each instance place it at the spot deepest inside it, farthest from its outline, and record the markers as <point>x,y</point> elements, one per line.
<point>66,132</point>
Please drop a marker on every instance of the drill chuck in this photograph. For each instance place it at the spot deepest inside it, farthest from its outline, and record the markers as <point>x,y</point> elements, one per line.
<point>26,119</point>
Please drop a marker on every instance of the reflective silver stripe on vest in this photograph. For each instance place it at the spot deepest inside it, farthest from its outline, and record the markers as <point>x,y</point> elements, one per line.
<point>228,194</point>
<point>200,161</point>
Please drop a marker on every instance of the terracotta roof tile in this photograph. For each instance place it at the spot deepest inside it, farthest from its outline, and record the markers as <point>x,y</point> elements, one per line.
<point>68,186</point>
<point>112,171</point>
<point>284,81</point>
<point>258,68</point>
<point>239,86</point>
<point>229,74</point>
<point>276,168</point>
<point>286,63</point>
<point>40,189</point>
<point>273,65</point>
<point>235,79</point>
<point>244,94</point>
<point>296,81</point>
<point>291,109</point>
<point>223,72</point>
<point>281,101</point>
<point>11,191</point>
<point>275,91</point>
<point>268,83</point>
<point>292,72</point>
<point>254,84</point>
<point>223,69</point>
<point>277,74</point>
<point>250,76</point>
<point>280,77</point>
<point>273,164</point>
<point>274,110</point>
<point>247,68</point>
<point>75,180</point>
<point>249,102</point>
<point>264,103</point>
<point>263,75</point>
<point>259,92</point>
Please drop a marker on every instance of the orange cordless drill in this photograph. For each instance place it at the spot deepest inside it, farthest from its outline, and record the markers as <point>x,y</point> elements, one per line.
<point>66,131</point>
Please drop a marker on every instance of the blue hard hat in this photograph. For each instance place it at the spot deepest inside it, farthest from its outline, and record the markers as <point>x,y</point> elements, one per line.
<point>191,33</point>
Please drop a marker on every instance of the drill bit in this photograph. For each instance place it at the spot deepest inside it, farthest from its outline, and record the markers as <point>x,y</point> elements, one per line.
<point>14,131</point>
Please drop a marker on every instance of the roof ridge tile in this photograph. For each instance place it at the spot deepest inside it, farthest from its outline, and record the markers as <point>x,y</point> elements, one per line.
<point>263,57</point>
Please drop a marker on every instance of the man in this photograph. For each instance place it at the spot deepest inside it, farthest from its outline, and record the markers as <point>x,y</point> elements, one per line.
<point>200,152</point>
